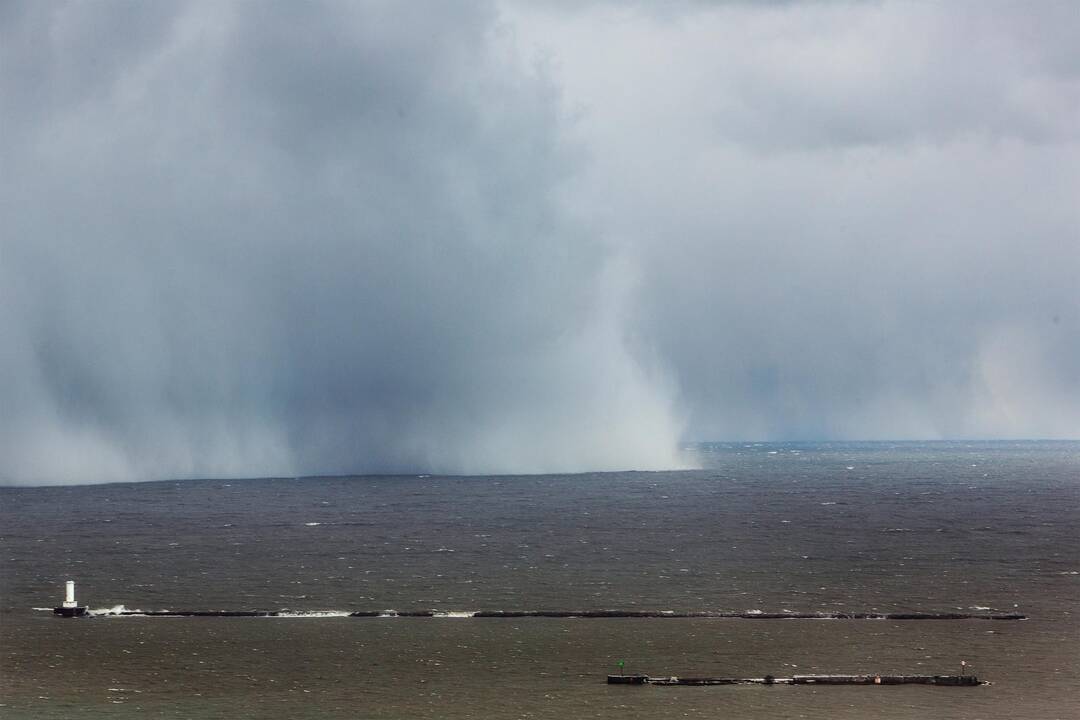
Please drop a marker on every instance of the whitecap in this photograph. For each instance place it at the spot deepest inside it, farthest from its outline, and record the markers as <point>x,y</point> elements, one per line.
<point>311,613</point>
<point>114,610</point>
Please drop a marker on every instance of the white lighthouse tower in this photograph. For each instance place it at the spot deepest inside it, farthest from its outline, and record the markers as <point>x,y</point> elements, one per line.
<point>70,608</point>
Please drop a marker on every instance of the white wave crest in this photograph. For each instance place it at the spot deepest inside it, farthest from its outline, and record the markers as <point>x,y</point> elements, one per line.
<point>114,610</point>
<point>456,614</point>
<point>311,613</point>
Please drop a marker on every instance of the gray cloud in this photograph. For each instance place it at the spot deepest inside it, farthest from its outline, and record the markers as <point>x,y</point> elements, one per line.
<point>858,219</point>
<point>279,238</point>
<point>274,238</point>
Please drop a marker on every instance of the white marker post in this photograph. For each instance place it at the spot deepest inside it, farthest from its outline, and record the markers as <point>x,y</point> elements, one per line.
<point>70,608</point>
<point>69,595</point>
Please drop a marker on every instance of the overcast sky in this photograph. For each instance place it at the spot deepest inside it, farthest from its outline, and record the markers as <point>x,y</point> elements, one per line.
<point>299,238</point>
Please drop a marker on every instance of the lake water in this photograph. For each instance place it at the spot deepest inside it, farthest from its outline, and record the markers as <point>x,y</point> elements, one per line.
<point>888,527</point>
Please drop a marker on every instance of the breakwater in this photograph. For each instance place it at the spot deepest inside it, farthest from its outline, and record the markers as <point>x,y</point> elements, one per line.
<point>583,614</point>
<point>945,680</point>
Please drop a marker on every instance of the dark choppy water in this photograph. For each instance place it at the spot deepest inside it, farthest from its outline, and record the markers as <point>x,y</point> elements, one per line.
<point>887,527</point>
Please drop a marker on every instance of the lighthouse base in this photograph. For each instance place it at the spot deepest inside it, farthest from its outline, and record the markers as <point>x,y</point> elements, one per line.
<point>70,611</point>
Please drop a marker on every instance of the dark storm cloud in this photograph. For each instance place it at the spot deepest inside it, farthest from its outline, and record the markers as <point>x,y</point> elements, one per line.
<point>312,238</point>
<point>279,237</point>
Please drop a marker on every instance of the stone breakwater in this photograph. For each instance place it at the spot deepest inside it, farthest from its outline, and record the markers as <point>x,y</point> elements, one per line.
<point>584,614</point>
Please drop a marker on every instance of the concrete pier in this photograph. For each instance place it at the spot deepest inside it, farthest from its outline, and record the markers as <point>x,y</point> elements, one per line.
<point>583,614</point>
<point>747,615</point>
<point>947,680</point>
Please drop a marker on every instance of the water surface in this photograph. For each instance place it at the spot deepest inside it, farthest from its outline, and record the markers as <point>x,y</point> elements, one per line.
<point>879,526</point>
